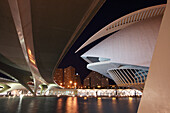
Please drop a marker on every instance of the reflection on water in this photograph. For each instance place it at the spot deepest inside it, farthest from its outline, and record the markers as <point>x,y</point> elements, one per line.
<point>99,105</point>
<point>68,105</point>
<point>71,105</point>
<point>59,105</point>
<point>19,105</point>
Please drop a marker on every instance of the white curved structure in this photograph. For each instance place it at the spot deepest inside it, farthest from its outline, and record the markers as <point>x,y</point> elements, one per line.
<point>125,56</point>
<point>125,21</point>
<point>133,45</point>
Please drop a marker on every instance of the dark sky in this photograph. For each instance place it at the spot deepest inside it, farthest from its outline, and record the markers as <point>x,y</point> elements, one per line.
<point>110,11</point>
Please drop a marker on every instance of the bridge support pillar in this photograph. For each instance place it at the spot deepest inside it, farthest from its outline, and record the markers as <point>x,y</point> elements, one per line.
<point>156,92</point>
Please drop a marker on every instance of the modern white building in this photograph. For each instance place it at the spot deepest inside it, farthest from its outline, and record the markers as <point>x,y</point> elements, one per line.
<point>125,56</point>
<point>141,42</point>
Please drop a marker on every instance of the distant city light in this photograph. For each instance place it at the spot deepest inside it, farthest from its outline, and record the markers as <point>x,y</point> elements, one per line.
<point>98,86</point>
<point>113,98</point>
<point>130,98</point>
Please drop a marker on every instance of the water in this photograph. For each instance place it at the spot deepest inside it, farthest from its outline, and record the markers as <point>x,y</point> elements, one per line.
<point>68,105</point>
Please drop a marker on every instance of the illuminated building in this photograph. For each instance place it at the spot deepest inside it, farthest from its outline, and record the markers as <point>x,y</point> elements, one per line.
<point>86,82</point>
<point>95,80</point>
<point>77,80</point>
<point>58,76</point>
<point>69,73</point>
<point>105,82</point>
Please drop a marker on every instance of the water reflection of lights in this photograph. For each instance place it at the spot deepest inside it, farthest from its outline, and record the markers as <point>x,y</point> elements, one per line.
<point>70,104</point>
<point>85,98</point>
<point>113,98</point>
<point>21,96</point>
<point>99,98</point>
<point>130,99</point>
<point>20,102</point>
<point>99,104</point>
<point>60,102</point>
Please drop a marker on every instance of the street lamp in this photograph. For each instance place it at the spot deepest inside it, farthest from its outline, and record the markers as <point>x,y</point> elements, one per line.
<point>75,84</point>
<point>71,82</point>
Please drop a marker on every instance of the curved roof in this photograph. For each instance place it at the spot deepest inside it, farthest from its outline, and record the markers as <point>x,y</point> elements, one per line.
<point>102,67</point>
<point>125,21</point>
<point>133,45</point>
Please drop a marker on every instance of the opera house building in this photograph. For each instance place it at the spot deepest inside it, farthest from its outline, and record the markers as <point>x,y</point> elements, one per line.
<point>135,53</point>
<point>125,55</point>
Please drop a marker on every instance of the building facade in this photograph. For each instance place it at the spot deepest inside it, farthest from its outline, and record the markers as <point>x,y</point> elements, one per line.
<point>69,73</point>
<point>105,82</point>
<point>58,76</point>
<point>95,80</point>
<point>67,78</point>
<point>77,81</point>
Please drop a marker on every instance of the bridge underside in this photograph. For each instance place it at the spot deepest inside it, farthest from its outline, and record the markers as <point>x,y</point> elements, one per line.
<point>36,34</point>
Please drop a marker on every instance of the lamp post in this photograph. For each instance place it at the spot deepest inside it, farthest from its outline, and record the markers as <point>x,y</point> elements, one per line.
<point>75,85</point>
<point>71,84</point>
<point>61,84</point>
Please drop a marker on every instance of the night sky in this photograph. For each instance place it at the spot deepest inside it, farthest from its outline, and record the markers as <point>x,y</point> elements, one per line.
<point>110,11</point>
